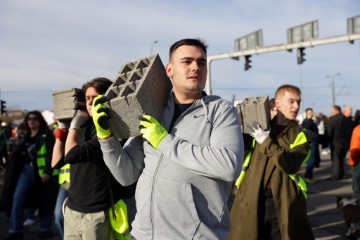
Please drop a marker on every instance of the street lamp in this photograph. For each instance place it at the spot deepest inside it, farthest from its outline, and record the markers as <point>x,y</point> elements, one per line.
<point>152,46</point>
<point>333,86</point>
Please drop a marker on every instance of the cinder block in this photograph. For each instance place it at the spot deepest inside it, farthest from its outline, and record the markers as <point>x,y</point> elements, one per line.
<point>66,102</point>
<point>254,109</point>
<point>141,87</point>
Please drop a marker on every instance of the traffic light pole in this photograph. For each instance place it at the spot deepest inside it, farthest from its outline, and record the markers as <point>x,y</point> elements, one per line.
<point>275,48</point>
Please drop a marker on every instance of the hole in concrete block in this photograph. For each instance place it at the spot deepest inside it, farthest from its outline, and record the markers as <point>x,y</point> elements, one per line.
<point>128,67</point>
<point>112,93</point>
<point>143,63</point>
<point>120,80</point>
<point>129,89</point>
<point>138,74</point>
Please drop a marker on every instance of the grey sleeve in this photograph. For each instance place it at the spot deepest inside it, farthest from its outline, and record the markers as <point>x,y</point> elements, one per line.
<point>125,163</point>
<point>221,159</point>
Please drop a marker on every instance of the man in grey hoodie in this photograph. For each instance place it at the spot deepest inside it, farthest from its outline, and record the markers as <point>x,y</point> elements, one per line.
<point>186,163</point>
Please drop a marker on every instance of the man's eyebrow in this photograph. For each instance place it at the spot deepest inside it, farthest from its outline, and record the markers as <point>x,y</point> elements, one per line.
<point>202,59</point>
<point>294,99</point>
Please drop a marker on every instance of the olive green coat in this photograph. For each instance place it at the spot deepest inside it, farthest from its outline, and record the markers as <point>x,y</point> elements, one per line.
<point>289,200</point>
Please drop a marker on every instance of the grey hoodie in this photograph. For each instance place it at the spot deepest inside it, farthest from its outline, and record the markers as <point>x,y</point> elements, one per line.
<point>183,186</point>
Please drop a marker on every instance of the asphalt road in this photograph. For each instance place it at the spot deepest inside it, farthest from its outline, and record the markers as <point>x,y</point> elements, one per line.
<point>325,219</point>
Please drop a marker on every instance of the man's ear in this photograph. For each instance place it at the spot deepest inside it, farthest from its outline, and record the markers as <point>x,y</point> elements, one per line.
<point>277,103</point>
<point>169,72</point>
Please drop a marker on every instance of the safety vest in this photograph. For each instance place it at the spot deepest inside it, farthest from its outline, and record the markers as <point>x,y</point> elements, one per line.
<point>300,139</point>
<point>245,165</point>
<point>64,174</point>
<point>41,159</point>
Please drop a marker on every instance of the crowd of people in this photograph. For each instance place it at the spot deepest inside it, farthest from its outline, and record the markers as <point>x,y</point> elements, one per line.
<point>180,170</point>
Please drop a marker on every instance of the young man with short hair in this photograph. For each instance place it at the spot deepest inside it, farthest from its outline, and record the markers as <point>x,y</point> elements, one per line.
<point>270,203</point>
<point>186,163</point>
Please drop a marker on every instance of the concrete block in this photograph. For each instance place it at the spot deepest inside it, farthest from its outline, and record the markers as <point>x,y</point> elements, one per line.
<point>254,109</point>
<point>66,102</point>
<point>140,87</point>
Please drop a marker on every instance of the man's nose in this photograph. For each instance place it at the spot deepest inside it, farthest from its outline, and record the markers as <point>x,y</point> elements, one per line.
<point>194,66</point>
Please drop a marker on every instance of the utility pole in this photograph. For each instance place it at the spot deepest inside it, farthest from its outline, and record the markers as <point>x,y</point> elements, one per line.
<point>333,87</point>
<point>152,46</point>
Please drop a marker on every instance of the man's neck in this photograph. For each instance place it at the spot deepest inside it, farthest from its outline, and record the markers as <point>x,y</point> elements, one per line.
<point>282,120</point>
<point>186,99</point>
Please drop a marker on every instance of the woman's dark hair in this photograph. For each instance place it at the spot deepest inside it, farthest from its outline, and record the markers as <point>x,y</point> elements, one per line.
<point>100,84</point>
<point>39,116</point>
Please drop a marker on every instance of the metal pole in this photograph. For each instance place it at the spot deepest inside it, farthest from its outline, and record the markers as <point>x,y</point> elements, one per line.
<point>152,45</point>
<point>333,87</point>
<point>208,88</point>
<point>333,90</point>
<point>276,48</point>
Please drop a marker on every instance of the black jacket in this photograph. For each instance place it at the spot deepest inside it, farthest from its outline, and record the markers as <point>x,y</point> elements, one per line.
<point>90,178</point>
<point>337,129</point>
<point>43,195</point>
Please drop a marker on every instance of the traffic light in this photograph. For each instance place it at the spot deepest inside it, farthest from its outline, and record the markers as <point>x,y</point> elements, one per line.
<point>247,65</point>
<point>300,55</point>
<point>3,107</point>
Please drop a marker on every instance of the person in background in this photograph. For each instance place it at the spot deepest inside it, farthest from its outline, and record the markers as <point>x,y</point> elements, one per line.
<point>354,158</point>
<point>14,141</point>
<point>322,122</point>
<point>269,203</point>
<point>350,125</point>
<point>31,180</point>
<point>337,130</point>
<point>5,134</point>
<point>347,112</point>
<point>61,132</point>
<point>311,126</point>
<point>89,197</point>
<point>186,161</point>
<point>354,162</point>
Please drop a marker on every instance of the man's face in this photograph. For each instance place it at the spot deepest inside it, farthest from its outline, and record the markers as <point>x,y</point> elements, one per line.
<point>309,114</point>
<point>333,111</point>
<point>188,70</point>
<point>288,104</point>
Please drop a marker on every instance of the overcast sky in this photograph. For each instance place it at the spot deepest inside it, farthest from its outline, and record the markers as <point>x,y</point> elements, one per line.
<point>49,45</point>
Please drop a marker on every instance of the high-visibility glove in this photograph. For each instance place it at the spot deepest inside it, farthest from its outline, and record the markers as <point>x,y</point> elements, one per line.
<point>258,133</point>
<point>100,116</point>
<point>152,130</point>
<point>79,119</point>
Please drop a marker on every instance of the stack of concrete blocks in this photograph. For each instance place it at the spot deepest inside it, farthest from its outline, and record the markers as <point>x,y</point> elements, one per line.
<point>66,102</point>
<point>254,109</point>
<point>141,87</point>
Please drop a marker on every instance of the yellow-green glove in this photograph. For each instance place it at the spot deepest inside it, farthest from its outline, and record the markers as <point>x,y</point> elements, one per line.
<point>152,130</point>
<point>100,117</point>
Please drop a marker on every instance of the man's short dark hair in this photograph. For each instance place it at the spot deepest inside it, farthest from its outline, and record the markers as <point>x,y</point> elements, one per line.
<point>189,42</point>
<point>337,108</point>
<point>308,109</point>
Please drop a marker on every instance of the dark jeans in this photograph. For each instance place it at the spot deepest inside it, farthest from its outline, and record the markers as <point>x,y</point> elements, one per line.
<point>356,183</point>
<point>338,155</point>
<point>59,217</point>
<point>25,183</point>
